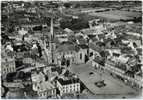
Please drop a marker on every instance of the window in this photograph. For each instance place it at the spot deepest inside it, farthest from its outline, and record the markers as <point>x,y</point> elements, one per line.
<point>4,70</point>
<point>10,69</point>
<point>91,54</point>
<point>74,85</point>
<point>45,93</point>
<point>7,70</point>
<point>64,87</point>
<point>74,89</point>
<point>80,55</point>
<point>65,90</point>
<point>52,60</point>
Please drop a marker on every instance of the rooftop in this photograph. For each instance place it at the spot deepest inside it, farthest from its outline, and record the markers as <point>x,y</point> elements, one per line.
<point>83,46</point>
<point>66,47</point>
<point>69,81</point>
<point>99,61</point>
<point>37,77</point>
<point>94,47</point>
<point>92,31</point>
<point>46,85</point>
<point>13,85</point>
<point>81,40</point>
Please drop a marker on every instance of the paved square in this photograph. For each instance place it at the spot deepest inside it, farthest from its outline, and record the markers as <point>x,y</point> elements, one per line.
<point>113,86</point>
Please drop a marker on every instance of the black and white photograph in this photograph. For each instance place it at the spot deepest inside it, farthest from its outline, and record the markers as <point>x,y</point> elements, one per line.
<point>70,49</point>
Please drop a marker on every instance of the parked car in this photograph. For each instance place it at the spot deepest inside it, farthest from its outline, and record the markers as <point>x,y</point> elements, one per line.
<point>91,73</point>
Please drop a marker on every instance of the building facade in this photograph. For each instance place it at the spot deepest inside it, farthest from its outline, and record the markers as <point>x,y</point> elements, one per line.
<point>46,90</point>
<point>8,65</point>
<point>70,86</point>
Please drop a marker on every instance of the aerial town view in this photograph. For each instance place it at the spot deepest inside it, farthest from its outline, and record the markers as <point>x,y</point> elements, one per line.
<point>71,49</point>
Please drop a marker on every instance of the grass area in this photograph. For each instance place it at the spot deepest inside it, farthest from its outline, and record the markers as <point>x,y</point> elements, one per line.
<point>117,15</point>
<point>111,15</point>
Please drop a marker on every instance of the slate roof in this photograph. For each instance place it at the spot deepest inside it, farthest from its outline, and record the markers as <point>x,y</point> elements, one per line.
<point>94,47</point>
<point>81,40</point>
<point>99,61</point>
<point>46,86</point>
<point>83,46</point>
<point>139,50</point>
<point>67,82</point>
<point>66,47</point>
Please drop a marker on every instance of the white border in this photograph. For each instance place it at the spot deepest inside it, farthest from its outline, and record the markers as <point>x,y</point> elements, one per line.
<point>67,1</point>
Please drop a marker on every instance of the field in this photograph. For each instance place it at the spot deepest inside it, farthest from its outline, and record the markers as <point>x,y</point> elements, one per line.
<point>117,15</point>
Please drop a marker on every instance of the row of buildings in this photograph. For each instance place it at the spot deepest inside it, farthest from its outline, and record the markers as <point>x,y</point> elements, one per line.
<point>121,54</point>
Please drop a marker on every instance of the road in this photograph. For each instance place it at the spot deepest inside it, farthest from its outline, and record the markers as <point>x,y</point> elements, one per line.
<point>113,87</point>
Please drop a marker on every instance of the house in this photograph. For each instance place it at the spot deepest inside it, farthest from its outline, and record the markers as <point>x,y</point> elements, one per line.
<point>28,60</point>
<point>46,89</point>
<point>80,40</point>
<point>32,24</point>
<point>138,81</point>
<point>114,51</point>
<point>94,50</point>
<point>94,31</point>
<point>37,77</point>
<point>94,22</point>
<point>68,86</point>
<point>9,47</point>
<point>111,35</point>
<point>93,38</point>
<point>82,54</point>
<point>13,85</point>
<point>68,31</point>
<point>110,66</point>
<point>8,50</point>
<point>22,32</point>
<point>7,64</point>
<point>2,91</point>
<point>31,10</point>
<point>137,42</point>
<point>79,34</point>
<point>62,37</point>
<point>134,34</point>
<point>109,43</point>
<point>52,71</point>
<point>98,62</point>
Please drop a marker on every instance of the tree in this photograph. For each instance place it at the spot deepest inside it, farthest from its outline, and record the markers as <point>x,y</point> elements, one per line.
<point>39,49</point>
<point>74,24</point>
<point>68,63</point>
<point>37,28</point>
<point>77,5</point>
<point>72,38</point>
<point>67,5</point>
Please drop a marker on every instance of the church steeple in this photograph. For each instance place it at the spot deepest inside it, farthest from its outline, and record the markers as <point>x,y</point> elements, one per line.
<point>52,44</point>
<point>52,33</point>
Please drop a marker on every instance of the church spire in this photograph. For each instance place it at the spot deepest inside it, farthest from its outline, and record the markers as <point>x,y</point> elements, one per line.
<point>52,33</point>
